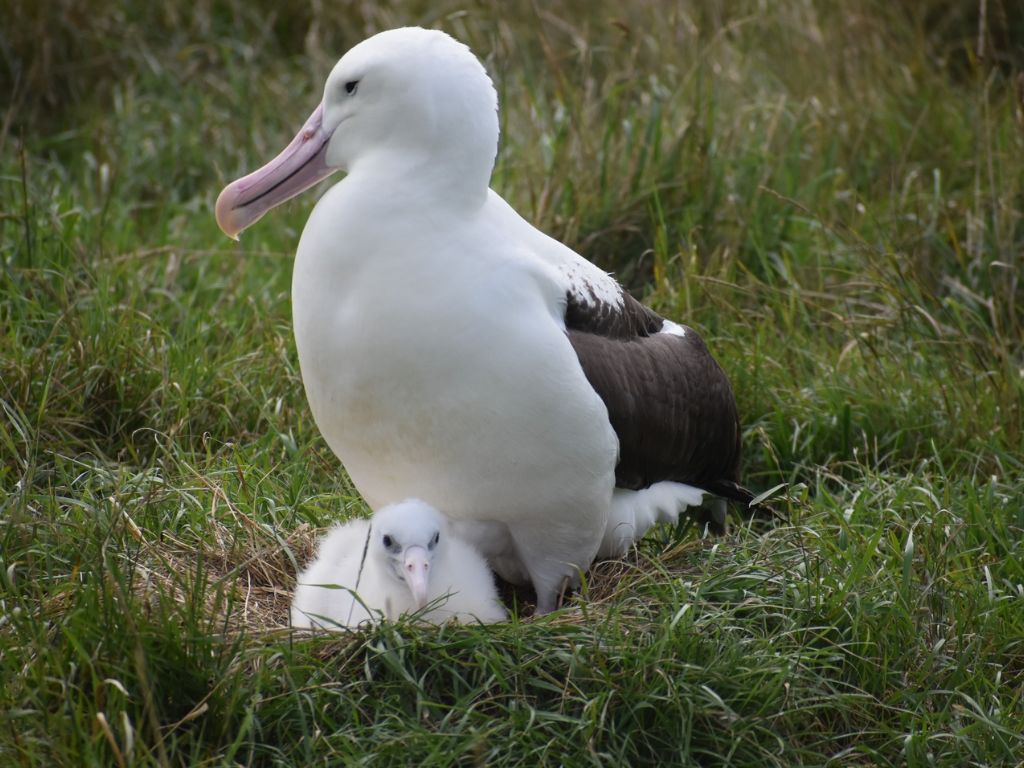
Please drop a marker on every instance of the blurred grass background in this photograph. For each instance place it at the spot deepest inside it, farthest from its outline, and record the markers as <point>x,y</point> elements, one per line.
<point>832,194</point>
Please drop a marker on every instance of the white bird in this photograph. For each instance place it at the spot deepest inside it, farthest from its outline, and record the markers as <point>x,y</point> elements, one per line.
<point>404,559</point>
<point>452,351</point>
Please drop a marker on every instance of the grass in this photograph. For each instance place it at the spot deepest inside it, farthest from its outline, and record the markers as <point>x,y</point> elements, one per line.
<point>832,194</point>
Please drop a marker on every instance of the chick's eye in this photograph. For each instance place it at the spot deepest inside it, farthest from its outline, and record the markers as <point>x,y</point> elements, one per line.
<point>350,86</point>
<point>387,541</point>
<point>437,538</point>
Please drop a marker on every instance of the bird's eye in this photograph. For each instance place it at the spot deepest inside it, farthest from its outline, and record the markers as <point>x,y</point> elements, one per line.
<point>388,541</point>
<point>437,538</point>
<point>350,87</point>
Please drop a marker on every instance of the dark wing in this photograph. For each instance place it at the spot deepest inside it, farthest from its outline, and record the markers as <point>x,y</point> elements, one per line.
<point>668,400</point>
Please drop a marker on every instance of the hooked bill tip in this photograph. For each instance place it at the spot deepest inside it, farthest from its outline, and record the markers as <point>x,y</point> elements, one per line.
<point>225,212</point>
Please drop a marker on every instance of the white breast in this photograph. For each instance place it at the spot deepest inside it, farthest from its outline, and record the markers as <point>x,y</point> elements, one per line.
<point>445,373</point>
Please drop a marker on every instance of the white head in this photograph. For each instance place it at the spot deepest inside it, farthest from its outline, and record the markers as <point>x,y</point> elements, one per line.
<point>415,100</point>
<point>405,539</point>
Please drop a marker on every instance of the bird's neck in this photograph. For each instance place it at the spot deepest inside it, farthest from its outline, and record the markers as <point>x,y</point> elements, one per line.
<point>418,178</point>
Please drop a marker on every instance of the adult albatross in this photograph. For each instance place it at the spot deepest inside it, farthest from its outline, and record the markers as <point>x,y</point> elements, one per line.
<point>452,352</point>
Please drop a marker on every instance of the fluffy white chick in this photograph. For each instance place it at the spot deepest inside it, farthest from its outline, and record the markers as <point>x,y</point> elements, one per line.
<point>413,562</point>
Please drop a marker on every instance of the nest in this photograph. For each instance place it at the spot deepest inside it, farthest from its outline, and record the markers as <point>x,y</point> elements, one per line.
<point>245,572</point>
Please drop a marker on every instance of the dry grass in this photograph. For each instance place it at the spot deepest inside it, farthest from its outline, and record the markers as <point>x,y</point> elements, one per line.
<point>249,579</point>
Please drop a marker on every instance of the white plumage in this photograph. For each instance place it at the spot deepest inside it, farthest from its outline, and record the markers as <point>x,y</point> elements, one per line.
<point>634,512</point>
<point>413,561</point>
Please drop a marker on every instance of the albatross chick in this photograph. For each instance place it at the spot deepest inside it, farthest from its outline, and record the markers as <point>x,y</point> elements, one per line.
<point>413,562</point>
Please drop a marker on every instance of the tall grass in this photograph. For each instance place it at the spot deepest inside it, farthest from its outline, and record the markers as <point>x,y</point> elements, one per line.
<point>831,193</point>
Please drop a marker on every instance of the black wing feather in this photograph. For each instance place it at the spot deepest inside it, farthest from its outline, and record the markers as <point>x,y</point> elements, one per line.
<point>668,400</point>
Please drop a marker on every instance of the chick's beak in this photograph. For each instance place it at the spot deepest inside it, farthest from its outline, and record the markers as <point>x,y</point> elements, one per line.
<point>416,571</point>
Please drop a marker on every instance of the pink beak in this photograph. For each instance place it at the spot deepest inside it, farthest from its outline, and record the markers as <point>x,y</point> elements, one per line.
<point>301,165</point>
<point>416,562</point>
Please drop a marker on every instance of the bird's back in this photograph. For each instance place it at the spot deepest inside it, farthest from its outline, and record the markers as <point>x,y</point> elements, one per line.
<point>323,594</point>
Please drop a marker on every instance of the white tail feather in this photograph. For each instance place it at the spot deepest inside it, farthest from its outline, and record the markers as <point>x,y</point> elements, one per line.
<point>633,513</point>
